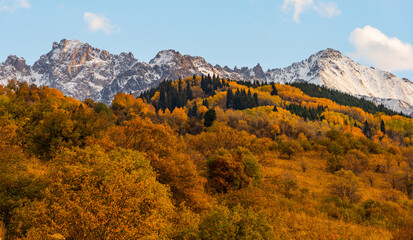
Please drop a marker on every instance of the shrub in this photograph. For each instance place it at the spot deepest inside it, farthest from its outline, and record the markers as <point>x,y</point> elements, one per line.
<point>355,161</point>
<point>236,223</point>
<point>232,170</point>
<point>340,208</point>
<point>334,163</point>
<point>346,186</point>
<point>289,148</point>
<point>372,211</point>
<point>289,185</point>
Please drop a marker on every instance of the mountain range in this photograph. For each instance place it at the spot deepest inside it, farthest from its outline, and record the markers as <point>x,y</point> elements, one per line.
<point>82,71</point>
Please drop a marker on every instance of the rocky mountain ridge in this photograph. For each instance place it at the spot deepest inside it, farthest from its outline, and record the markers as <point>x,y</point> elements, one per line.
<point>81,71</point>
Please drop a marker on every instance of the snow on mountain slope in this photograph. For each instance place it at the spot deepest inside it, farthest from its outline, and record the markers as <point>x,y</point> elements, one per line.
<point>341,73</point>
<point>81,71</point>
<point>332,69</point>
<point>304,71</point>
<point>15,68</point>
<point>392,104</point>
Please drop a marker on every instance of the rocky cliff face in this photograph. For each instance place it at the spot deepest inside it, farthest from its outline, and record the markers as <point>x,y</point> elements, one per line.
<point>15,68</point>
<point>81,71</point>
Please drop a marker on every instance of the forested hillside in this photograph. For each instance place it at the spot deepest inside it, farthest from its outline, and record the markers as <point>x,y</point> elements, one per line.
<point>343,98</point>
<point>203,158</point>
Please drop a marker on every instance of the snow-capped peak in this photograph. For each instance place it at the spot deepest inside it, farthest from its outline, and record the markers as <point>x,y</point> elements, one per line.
<point>336,71</point>
<point>81,71</point>
<point>165,57</point>
<point>330,53</point>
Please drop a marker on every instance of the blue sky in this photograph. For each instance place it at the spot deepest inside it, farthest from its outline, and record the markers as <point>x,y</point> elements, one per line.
<point>274,33</point>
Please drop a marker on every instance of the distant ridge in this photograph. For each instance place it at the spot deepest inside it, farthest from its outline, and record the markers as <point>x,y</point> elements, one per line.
<point>82,71</point>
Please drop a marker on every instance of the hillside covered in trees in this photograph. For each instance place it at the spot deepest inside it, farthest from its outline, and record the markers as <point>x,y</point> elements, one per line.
<point>203,158</point>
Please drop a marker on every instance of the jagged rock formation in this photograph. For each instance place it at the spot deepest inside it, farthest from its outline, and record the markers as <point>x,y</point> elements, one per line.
<point>81,71</point>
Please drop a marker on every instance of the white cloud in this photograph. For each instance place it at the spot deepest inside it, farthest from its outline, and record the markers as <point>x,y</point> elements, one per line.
<point>324,9</point>
<point>327,9</point>
<point>99,23</point>
<point>13,5</point>
<point>299,7</point>
<point>382,51</point>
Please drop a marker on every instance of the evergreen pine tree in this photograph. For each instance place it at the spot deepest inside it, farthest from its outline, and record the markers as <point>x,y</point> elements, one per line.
<point>209,117</point>
<point>236,102</point>
<point>189,94</point>
<point>193,111</point>
<point>169,101</point>
<point>180,86</point>
<point>382,127</point>
<point>230,99</point>
<point>205,103</point>
<point>256,100</point>
<point>250,100</point>
<point>204,84</point>
<point>162,98</point>
<point>367,130</point>
<point>274,89</point>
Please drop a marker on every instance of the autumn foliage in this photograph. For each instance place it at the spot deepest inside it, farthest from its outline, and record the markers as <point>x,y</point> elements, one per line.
<point>203,158</point>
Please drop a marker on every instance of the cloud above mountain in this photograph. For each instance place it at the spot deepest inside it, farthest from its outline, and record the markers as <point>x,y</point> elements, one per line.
<point>388,53</point>
<point>96,23</point>
<point>324,9</point>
